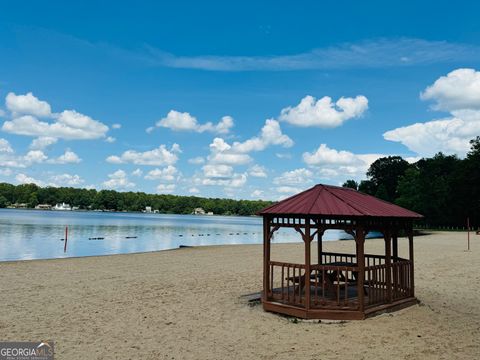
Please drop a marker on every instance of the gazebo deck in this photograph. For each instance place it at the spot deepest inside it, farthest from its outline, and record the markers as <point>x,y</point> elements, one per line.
<point>334,287</point>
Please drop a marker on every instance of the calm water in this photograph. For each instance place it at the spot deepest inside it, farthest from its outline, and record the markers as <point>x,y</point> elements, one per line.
<point>28,234</point>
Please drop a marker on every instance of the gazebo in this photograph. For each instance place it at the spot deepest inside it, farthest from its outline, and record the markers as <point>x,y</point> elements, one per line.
<point>338,286</point>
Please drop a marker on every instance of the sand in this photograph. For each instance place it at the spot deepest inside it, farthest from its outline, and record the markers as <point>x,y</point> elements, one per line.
<point>186,304</point>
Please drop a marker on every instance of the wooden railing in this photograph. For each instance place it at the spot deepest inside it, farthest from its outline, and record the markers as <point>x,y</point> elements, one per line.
<point>330,257</point>
<point>401,279</point>
<point>377,287</point>
<point>334,284</point>
<point>284,282</point>
<point>375,284</point>
<point>330,286</point>
<point>370,259</point>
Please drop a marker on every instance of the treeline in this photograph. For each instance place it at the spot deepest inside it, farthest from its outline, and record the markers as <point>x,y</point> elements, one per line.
<point>445,189</point>
<point>32,195</point>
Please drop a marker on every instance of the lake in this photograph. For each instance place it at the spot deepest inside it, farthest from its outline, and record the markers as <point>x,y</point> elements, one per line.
<point>36,234</point>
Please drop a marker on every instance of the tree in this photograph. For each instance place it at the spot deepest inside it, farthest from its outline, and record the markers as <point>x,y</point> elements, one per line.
<point>367,187</point>
<point>385,172</point>
<point>474,148</point>
<point>32,195</point>
<point>408,190</point>
<point>3,201</point>
<point>468,184</point>
<point>352,184</point>
<point>382,193</point>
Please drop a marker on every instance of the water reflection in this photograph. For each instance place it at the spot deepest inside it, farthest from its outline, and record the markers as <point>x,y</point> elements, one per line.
<point>26,234</point>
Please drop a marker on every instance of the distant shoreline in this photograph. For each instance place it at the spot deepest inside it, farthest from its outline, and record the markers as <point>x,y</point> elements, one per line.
<point>122,212</point>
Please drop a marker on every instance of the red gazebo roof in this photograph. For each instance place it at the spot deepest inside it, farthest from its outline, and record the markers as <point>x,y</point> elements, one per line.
<point>337,201</point>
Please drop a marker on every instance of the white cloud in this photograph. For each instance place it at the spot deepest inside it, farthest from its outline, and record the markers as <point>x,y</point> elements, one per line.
<point>25,179</point>
<point>257,194</point>
<point>222,153</point>
<point>116,126</point>
<point>118,180</point>
<point>449,135</point>
<point>339,165</point>
<point>6,172</point>
<point>110,139</point>
<point>283,155</point>
<point>458,93</point>
<point>193,190</point>
<point>137,172</point>
<point>196,160</point>
<point>157,157</point>
<point>294,177</point>
<point>271,134</point>
<point>66,180</point>
<point>5,146</point>
<point>183,121</point>
<point>257,171</point>
<point>42,142</point>
<point>224,126</point>
<point>34,156</point>
<point>69,124</point>
<point>27,104</point>
<point>238,180</point>
<point>288,189</point>
<point>235,180</point>
<point>372,53</point>
<point>217,171</point>
<point>328,173</point>
<point>9,159</point>
<point>326,156</point>
<point>237,154</point>
<point>460,89</point>
<point>2,113</point>
<point>69,157</point>
<point>166,174</point>
<point>323,112</point>
<point>165,188</point>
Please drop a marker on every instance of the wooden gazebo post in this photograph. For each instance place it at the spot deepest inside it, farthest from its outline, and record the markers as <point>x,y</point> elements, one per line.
<point>410,252</point>
<point>319,245</point>
<point>395,246</point>
<point>266,256</point>
<point>360,241</point>
<point>388,263</point>
<point>307,239</point>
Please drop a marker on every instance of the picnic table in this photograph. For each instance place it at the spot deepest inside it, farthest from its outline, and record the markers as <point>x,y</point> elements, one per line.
<point>333,277</point>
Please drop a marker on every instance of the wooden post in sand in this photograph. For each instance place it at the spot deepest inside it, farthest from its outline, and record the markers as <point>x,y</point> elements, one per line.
<point>468,234</point>
<point>66,239</point>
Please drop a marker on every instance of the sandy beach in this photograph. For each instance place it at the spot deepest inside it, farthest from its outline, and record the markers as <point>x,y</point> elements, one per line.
<point>186,304</point>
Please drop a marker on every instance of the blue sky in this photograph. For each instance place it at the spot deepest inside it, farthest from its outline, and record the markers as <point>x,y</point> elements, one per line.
<point>224,99</point>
